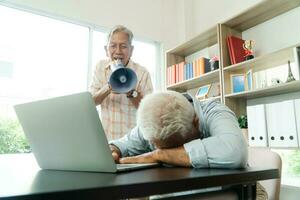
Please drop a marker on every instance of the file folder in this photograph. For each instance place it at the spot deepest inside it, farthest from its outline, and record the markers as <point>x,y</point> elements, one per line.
<point>257,125</point>
<point>281,124</point>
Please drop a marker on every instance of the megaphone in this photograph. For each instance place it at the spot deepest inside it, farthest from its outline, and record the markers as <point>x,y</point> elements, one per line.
<point>122,79</point>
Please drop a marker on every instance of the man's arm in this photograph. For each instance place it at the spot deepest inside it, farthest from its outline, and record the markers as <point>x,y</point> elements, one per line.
<point>101,94</point>
<point>143,88</point>
<point>174,156</point>
<point>99,87</point>
<point>135,100</point>
<point>224,147</point>
<point>133,143</point>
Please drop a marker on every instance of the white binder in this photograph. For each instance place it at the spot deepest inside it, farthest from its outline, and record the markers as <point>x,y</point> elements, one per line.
<point>297,111</point>
<point>257,125</point>
<point>281,124</point>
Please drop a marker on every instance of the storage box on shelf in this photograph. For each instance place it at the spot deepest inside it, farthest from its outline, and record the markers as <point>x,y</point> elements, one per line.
<point>200,72</point>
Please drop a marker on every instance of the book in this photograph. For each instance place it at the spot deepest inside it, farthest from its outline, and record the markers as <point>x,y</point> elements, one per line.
<point>203,62</point>
<point>236,50</point>
<point>229,50</point>
<point>206,65</point>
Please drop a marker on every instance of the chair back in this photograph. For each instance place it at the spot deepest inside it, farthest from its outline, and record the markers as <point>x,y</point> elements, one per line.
<point>264,157</point>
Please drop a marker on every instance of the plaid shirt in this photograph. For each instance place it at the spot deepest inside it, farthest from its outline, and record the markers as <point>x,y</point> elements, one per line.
<point>118,114</point>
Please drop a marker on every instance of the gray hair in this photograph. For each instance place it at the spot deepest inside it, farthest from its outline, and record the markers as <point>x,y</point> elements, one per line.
<point>123,29</point>
<point>164,114</point>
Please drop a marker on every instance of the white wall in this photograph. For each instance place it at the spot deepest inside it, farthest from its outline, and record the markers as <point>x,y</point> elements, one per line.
<point>169,22</point>
<point>158,20</point>
<point>203,14</point>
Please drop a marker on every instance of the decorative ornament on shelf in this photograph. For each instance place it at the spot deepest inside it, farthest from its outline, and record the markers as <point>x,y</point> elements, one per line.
<point>214,63</point>
<point>290,74</point>
<point>243,123</point>
<point>248,46</point>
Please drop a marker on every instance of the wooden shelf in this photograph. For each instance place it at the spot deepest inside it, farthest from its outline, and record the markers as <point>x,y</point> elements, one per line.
<point>196,82</point>
<point>282,88</point>
<point>260,13</point>
<point>206,39</point>
<point>264,62</point>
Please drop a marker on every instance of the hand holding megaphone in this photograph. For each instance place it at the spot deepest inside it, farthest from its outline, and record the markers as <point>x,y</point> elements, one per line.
<point>122,79</point>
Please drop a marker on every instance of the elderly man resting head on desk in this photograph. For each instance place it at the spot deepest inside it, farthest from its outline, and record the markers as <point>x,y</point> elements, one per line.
<point>171,130</point>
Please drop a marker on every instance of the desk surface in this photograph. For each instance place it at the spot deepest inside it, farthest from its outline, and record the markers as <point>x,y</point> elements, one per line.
<point>21,178</point>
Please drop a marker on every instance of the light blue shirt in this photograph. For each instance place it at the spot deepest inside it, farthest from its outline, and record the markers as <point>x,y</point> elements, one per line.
<point>222,145</point>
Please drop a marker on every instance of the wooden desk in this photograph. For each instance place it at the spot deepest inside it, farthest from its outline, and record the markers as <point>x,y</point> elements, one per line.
<point>21,178</point>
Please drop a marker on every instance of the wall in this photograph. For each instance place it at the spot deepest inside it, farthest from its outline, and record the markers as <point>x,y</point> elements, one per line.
<point>169,22</point>
<point>203,14</point>
<point>156,20</point>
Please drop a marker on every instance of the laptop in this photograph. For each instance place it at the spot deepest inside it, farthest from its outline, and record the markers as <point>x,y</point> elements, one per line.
<point>65,133</point>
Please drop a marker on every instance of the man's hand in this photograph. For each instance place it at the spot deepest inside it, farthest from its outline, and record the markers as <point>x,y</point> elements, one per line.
<point>115,152</point>
<point>102,94</point>
<point>135,100</point>
<point>143,158</point>
<point>174,156</point>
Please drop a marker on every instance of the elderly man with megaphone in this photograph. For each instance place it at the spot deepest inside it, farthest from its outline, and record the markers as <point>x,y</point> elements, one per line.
<point>119,84</point>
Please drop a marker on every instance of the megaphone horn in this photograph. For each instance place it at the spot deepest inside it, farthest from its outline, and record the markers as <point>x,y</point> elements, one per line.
<point>123,80</point>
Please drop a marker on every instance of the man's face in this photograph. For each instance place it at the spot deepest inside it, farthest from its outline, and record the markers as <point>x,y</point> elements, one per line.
<point>119,47</point>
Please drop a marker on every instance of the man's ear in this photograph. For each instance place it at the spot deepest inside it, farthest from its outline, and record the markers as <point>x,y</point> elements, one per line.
<point>131,50</point>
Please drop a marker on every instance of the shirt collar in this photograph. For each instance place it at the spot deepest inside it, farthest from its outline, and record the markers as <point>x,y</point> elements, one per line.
<point>130,64</point>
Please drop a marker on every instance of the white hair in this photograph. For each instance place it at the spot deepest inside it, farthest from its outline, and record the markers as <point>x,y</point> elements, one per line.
<point>164,114</point>
<point>123,29</point>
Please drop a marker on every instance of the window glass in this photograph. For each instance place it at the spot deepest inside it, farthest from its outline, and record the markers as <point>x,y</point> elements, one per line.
<point>39,58</point>
<point>290,174</point>
<point>99,41</point>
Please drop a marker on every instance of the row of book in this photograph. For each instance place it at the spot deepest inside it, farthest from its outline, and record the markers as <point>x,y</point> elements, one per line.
<point>183,71</point>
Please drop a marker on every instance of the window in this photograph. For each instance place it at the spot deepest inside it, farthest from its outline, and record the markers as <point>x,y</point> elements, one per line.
<point>290,174</point>
<point>41,57</point>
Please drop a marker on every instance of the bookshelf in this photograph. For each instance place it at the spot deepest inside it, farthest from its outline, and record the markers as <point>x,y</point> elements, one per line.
<point>217,35</point>
<point>180,53</point>
<point>213,76</point>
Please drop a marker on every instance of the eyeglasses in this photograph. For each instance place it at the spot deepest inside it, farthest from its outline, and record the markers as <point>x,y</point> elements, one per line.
<point>114,46</point>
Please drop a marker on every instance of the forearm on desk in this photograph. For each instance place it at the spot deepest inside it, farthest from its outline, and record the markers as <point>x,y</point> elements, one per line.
<point>175,156</point>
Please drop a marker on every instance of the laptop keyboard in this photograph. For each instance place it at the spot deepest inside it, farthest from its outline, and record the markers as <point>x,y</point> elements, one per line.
<point>122,166</point>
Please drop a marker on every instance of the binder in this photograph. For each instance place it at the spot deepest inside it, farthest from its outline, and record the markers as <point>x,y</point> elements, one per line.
<point>257,130</point>
<point>281,124</point>
<point>297,112</point>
